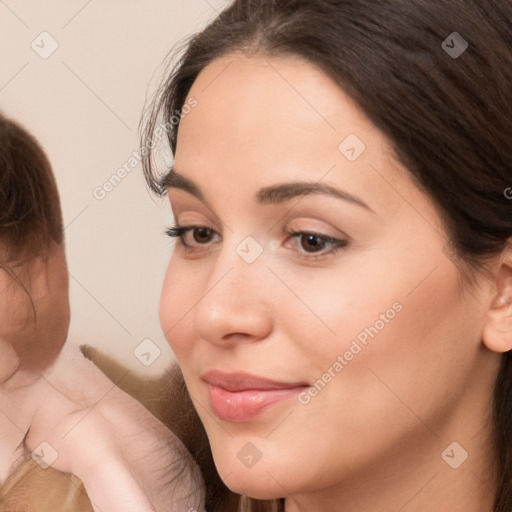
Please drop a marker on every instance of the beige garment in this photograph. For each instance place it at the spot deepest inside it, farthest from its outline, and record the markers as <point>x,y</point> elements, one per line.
<point>31,488</point>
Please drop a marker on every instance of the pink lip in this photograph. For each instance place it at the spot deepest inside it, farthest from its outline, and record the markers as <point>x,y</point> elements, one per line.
<point>241,397</point>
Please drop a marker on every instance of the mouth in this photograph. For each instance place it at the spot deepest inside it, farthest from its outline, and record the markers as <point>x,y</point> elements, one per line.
<point>241,397</point>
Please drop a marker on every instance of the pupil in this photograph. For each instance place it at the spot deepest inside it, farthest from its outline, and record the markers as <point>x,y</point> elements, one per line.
<point>312,243</point>
<point>202,235</point>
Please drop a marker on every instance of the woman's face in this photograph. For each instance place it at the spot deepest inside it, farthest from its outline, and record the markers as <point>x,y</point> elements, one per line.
<point>321,326</point>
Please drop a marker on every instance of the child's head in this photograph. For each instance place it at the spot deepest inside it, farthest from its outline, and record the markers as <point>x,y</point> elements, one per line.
<point>34,308</point>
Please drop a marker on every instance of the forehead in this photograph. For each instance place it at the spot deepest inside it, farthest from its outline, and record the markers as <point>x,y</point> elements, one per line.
<point>265,120</point>
<point>288,96</point>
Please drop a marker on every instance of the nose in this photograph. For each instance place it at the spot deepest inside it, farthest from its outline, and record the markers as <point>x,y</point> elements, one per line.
<point>235,306</point>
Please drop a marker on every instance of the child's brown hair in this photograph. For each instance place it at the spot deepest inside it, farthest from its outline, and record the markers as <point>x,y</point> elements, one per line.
<point>30,213</point>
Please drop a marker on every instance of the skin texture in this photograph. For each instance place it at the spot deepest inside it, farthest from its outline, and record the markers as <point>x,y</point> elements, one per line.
<point>372,439</point>
<point>29,347</point>
<point>125,457</point>
<point>35,343</point>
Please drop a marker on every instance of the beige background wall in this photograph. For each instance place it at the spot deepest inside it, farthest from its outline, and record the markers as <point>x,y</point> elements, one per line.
<point>83,103</point>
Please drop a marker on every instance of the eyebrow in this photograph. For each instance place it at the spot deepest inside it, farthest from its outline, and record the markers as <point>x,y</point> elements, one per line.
<point>177,181</point>
<point>274,194</point>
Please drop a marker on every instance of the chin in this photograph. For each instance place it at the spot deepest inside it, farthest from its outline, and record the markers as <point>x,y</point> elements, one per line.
<point>264,480</point>
<point>255,485</point>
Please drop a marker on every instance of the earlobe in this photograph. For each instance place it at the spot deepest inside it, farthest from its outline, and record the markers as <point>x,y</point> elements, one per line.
<point>497,334</point>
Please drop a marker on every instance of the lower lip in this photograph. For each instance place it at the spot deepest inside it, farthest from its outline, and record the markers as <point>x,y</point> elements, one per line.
<point>246,405</point>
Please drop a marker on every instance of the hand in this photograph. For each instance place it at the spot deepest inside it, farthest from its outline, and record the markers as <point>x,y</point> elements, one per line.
<point>125,457</point>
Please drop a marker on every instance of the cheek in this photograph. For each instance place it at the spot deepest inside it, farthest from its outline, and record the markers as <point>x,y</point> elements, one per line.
<point>386,333</point>
<point>405,324</point>
<point>364,297</point>
<point>330,308</point>
<point>36,325</point>
<point>15,309</point>
<point>180,291</point>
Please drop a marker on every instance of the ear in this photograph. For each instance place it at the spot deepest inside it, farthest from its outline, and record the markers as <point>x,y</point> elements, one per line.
<point>497,334</point>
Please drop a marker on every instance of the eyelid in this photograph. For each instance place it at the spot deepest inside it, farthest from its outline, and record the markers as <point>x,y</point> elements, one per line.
<point>194,211</point>
<point>313,226</point>
<point>323,236</point>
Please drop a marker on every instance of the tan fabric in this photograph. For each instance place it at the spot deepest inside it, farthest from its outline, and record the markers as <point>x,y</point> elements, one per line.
<point>33,489</point>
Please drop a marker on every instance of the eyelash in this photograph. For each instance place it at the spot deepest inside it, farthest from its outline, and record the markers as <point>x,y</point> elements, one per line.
<point>179,232</point>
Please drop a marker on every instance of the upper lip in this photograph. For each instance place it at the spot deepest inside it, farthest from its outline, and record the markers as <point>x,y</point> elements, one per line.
<point>241,381</point>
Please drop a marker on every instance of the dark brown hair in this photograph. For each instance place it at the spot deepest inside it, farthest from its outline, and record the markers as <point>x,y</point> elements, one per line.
<point>448,117</point>
<point>30,214</point>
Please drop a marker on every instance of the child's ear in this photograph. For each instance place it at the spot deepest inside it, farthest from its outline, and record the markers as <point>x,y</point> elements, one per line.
<point>497,334</point>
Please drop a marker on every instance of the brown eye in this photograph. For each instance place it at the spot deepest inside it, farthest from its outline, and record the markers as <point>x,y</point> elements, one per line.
<point>312,243</point>
<point>203,235</point>
<point>315,245</point>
